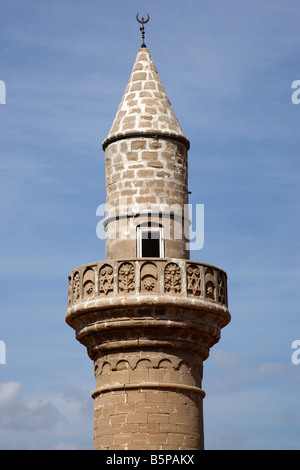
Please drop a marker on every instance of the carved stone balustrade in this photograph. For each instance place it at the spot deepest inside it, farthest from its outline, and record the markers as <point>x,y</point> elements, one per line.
<point>126,303</point>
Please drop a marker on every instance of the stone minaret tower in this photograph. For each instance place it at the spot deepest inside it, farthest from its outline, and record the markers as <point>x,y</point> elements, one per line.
<point>147,314</point>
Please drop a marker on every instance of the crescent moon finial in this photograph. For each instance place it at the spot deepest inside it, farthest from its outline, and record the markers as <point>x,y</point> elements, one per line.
<point>142,21</point>
<point>142,29</point>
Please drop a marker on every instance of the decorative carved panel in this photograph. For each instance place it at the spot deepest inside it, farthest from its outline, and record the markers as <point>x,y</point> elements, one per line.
<point>149,284</point>
<point>69,291</point>
<point>126,278</point>
<point>88,283</point>
<point>210,284</point>
<point>221,288</point>
<point>193,280</point>
<point>172,278</point>
<point>76,288</point>
<point>106,279</point>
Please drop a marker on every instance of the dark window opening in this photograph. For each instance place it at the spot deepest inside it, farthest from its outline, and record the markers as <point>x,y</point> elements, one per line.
<point>150,244</point>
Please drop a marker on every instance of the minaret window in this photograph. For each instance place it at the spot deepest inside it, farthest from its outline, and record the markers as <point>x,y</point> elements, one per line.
<point>150,242</point>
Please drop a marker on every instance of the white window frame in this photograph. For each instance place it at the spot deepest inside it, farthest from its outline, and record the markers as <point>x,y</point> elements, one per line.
<point>142,229</point>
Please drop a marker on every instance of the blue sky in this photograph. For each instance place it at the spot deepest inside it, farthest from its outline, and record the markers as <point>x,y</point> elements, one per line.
<point>227,67</point>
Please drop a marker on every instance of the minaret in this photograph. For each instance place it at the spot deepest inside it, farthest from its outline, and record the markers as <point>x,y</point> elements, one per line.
<point>147,314</point>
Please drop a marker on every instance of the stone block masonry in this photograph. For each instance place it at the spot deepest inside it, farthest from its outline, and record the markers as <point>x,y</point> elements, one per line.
<point>143,174</point>
<point>128,173</point>
<point>152,400</point>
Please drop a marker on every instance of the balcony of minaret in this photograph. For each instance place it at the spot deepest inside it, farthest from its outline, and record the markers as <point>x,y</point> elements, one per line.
<point>180,303</point>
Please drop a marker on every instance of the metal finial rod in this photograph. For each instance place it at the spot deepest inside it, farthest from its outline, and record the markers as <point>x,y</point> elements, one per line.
<point>142,29</point>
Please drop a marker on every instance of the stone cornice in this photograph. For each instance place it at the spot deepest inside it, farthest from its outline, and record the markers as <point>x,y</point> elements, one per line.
<point>146,134</point>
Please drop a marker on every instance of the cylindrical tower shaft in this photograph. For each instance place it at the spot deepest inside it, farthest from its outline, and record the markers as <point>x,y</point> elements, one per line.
<point>146,184</point>
<point>152,399</point>
<point>146,170</point>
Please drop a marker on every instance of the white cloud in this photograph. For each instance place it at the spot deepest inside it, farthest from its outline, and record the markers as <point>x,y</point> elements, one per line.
<point>251,403</point>
<point>20,412</point>
<point>61,420</point>
<point>225,360</point>
<point>234,372</point>
<point>227,441</point>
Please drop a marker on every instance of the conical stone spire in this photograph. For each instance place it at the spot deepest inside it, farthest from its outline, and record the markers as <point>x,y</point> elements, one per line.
<point>145,109</point>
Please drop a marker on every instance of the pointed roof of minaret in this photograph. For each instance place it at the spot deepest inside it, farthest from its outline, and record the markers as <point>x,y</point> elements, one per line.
<point>145,109</point>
